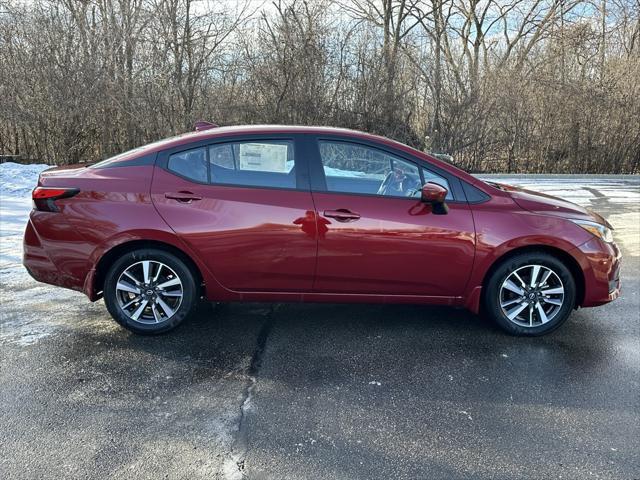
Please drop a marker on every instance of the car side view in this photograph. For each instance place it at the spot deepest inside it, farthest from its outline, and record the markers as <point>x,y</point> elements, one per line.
<point>311,214</point>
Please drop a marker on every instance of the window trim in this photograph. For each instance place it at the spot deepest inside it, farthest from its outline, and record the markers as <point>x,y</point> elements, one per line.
<point>319,183</point>
<point>299,158</point>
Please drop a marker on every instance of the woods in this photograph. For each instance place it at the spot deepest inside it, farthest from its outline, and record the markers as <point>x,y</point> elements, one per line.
<point>500,85</point>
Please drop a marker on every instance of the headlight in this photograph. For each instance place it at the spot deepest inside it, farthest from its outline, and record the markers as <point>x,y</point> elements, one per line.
<point>597,229</point>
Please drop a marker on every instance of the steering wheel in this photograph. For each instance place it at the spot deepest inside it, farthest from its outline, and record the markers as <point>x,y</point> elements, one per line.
<point>398,183</point>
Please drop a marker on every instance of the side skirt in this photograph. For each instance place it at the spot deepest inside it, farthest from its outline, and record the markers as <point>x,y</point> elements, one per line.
<point>341,298</point>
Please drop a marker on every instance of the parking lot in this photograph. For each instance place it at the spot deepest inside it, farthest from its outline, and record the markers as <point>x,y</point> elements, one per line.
<point>291,391</point>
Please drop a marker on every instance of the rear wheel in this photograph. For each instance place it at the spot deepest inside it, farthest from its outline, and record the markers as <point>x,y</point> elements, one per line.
<point>530,294</point>
<point>150,291</point>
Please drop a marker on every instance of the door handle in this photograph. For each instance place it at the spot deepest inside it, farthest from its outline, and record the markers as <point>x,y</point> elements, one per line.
<point>342,215</point>
<point>184,197</point>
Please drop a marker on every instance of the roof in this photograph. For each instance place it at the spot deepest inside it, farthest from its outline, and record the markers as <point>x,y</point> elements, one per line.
<point>261,129</point>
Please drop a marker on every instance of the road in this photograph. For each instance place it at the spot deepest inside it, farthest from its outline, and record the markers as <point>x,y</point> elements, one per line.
<point>323,391</point>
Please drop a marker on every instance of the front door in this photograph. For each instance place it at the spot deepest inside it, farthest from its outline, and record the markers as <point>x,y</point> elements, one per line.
<point>376,236</point>
<point>242,207</point>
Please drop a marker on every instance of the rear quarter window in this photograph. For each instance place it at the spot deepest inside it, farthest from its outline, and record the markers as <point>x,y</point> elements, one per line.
<point>191,164</point>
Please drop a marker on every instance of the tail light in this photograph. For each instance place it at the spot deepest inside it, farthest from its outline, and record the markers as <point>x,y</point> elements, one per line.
<point>44,197</point>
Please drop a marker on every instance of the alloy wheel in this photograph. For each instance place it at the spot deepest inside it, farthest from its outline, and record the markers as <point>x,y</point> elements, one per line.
<point>149,292</point>
<point>531,295</point>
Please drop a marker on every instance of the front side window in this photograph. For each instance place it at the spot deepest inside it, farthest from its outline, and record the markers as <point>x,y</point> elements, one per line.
<point>256,163</point>
<point>353,168</point>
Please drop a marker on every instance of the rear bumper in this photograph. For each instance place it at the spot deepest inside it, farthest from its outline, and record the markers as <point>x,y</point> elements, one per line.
<point>42,268</point>
<point>600,262</point>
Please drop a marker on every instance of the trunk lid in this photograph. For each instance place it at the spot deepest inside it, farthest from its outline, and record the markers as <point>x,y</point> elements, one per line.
<point>62,172</point>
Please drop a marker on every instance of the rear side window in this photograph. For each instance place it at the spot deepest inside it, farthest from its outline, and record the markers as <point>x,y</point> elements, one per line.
<point>190,163</point>
<point>257,163</point>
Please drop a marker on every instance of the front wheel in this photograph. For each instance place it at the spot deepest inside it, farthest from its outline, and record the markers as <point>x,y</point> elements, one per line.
<point>150,291</point>
<point>530,294</point>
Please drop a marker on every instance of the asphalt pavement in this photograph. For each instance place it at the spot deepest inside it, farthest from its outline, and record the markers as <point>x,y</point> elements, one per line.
<point>292,391</point>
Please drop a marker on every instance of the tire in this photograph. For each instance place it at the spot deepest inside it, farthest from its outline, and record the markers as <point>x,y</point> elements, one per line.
<point>525,310</point>
<point>170,292</point>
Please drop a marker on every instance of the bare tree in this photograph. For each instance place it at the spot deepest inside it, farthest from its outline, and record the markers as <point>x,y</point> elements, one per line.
<point>502,85</point>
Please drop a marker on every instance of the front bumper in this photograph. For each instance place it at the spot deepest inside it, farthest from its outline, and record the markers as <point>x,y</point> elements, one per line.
<point>600,262</point>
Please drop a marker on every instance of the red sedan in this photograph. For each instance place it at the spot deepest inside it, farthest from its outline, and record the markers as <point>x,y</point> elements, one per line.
<point>309,214</point>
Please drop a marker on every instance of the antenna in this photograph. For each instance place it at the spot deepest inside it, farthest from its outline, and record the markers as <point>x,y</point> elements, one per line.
<point>201,125</point>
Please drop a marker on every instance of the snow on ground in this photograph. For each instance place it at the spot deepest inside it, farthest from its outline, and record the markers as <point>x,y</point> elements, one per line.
<point>16,325</point>
<point>16,183</point>
<point>18,180</point>
<point>13,218</point>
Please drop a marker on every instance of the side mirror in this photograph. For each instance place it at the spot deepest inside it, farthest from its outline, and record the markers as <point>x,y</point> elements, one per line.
<point>435,195</point>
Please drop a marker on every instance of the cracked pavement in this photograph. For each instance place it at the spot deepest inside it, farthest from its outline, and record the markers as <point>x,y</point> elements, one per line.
<point>325,391</point>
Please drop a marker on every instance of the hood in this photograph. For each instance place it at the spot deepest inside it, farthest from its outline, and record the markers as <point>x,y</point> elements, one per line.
<point>549,205</point>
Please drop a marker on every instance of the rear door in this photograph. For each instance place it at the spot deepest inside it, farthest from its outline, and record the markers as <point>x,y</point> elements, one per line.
<point>376,236</point>
<point>244,205</point>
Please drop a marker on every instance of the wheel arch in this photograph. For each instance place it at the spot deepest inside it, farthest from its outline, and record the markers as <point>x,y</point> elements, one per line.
<point>108,257</point>
<point>565,257</point>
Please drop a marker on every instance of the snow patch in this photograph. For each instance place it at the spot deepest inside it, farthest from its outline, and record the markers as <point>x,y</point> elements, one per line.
<point>468,415</point>
<point>232,468</point>
<point>16,183</point>
<point>18,180</point>
<point>17,326</point>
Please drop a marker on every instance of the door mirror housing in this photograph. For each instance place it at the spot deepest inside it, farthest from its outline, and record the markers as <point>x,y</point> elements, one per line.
<point>435,195</point>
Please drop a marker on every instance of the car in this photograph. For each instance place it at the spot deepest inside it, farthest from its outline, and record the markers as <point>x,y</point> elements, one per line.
<point>311,214</point>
